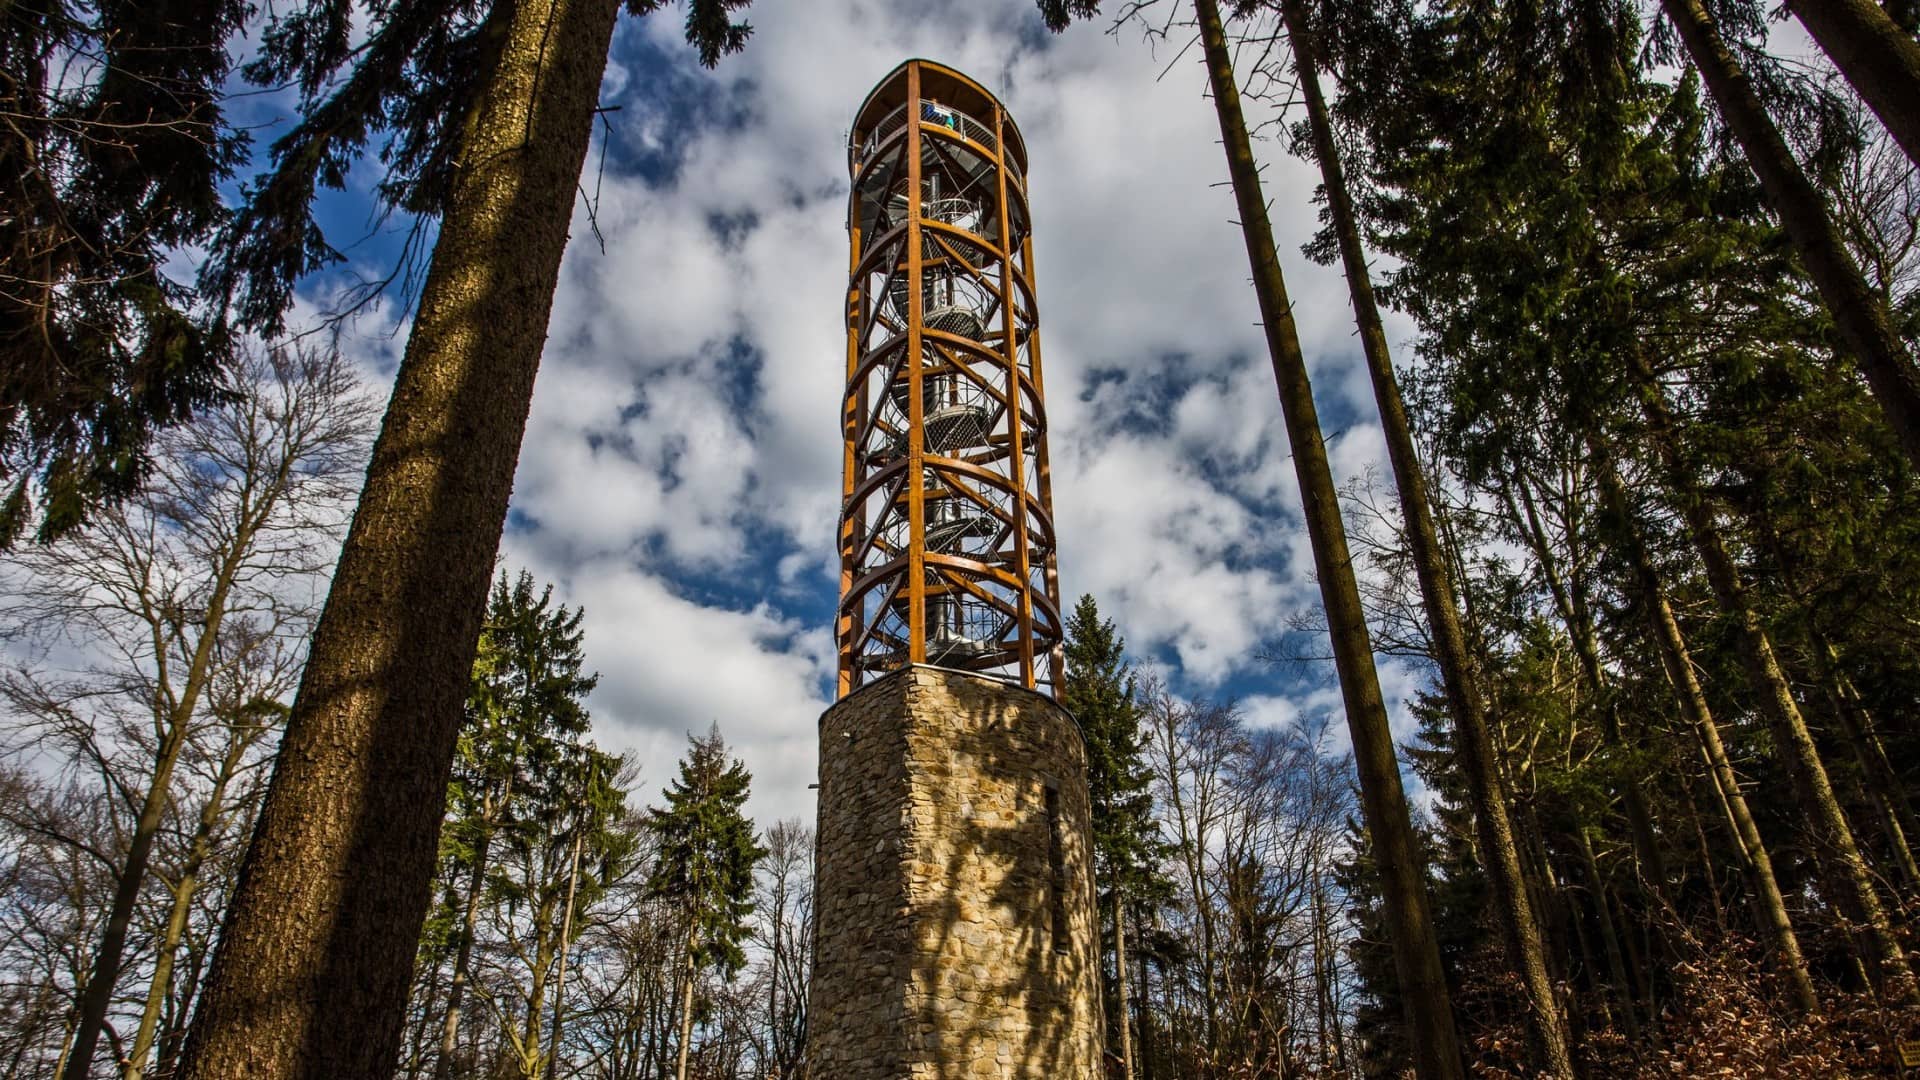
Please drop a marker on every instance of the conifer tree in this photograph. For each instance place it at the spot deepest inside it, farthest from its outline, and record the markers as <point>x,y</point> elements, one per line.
<point>1861,317</point>
<point>707,855</point>
<point>1127,847</point>
<point>114,151</point>
<point>524,715</point>
<point>1435,1039</point>
<point>1879,57</point>
<point>1526,952</point>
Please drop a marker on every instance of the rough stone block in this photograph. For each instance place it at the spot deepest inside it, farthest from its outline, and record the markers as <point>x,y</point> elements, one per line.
<point>953,887</point>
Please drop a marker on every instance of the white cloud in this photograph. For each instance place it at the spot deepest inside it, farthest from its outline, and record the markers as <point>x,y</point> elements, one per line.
<point>685,424</point>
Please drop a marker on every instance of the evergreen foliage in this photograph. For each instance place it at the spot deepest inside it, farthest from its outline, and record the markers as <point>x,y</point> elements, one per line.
<point>526,702</point>
<point>1099,690</point>
<point>707,853</point>
<point>116,144</point>
<point>403,96</point>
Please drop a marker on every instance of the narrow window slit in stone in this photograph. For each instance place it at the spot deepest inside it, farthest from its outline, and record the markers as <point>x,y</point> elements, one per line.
<point>1057,874</point>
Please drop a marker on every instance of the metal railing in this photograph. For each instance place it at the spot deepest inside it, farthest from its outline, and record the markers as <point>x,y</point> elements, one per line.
<point>935,114</point>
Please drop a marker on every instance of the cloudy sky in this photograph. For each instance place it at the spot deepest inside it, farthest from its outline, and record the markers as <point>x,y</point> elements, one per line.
<point>681,471</point>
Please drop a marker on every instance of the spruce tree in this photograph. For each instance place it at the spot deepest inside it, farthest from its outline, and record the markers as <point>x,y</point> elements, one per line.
<point>525,723</point>
<point>707,855</point>
<point>1860,317</point>
<point>1383,798</point>
<point>114,153</point>
<point>1127,847</point>
<point>1526,949</point>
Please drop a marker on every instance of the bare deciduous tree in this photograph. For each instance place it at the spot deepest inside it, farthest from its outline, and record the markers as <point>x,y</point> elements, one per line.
<point>167,632</point>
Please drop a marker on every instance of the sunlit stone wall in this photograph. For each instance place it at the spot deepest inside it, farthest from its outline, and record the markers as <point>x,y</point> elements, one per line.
<point>955,930</point>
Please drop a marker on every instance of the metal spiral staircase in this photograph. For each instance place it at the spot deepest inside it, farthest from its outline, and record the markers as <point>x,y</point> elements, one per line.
<point>946,529</point>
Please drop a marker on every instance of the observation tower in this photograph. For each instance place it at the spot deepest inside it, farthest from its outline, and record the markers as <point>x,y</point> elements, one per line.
<point>955,933</point>
<point>946,528</point>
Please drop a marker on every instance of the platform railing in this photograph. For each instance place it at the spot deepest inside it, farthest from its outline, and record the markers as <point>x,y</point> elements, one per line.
<point>934,114</point>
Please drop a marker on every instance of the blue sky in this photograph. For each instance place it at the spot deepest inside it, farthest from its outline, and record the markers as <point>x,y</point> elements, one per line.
<point>680,475</point>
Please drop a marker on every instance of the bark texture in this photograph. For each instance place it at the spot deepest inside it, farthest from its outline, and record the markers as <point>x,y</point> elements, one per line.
<point>1862,319</point>
<point>1423,987</point>
<point>313,970</point>
<point>1881,60</point>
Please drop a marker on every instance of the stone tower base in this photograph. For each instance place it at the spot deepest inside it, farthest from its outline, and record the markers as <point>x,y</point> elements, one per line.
<point>953,892</point>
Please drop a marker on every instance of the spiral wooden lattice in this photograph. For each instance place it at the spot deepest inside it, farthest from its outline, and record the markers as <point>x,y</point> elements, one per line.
<point>946,529</point>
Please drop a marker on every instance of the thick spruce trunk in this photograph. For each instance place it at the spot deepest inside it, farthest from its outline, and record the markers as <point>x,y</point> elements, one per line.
<point>1861,317</point>
<point>1423,987</point>
<point>1881,60</point>
<point>315,961</point>
<point>1775,924</point>
<point>1520,930</point>
<point>1842,865</point>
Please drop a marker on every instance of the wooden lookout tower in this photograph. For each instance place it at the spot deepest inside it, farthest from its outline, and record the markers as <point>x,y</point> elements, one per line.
<point>955,934</point>
<point>946,528</point>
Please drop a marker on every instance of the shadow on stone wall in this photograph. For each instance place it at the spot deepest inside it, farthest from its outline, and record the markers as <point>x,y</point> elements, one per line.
<point>940,868</point>
<point>999,995</point>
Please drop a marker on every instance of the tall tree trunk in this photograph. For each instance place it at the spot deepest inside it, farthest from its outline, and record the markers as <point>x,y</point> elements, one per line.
<point>1569,600</point>
<point>423,1032</point>
<point>1889,795</point>
<point>1881,60</point>
<point>686,1014</point>
<point>184,890</point>
<point>528,1044</point>
<point>315,959</point>
<point>172,739</point>
<point>463,952</point>
<point>1120,984</point>
<point>1436,1046</point>
<point>97,992</point>
<point>1842,864</point>
<point>1674,656</point>
<point>1706,860</point>
<point>1860,316</point>
<point>1326,981</point>
<point>1623,984</point>
<point>1146,1020</point>
<point>1520,931</point>
<point>566,940</point>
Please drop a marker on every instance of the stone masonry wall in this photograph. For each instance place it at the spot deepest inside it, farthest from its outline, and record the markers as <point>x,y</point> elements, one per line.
<point>955,929</point>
